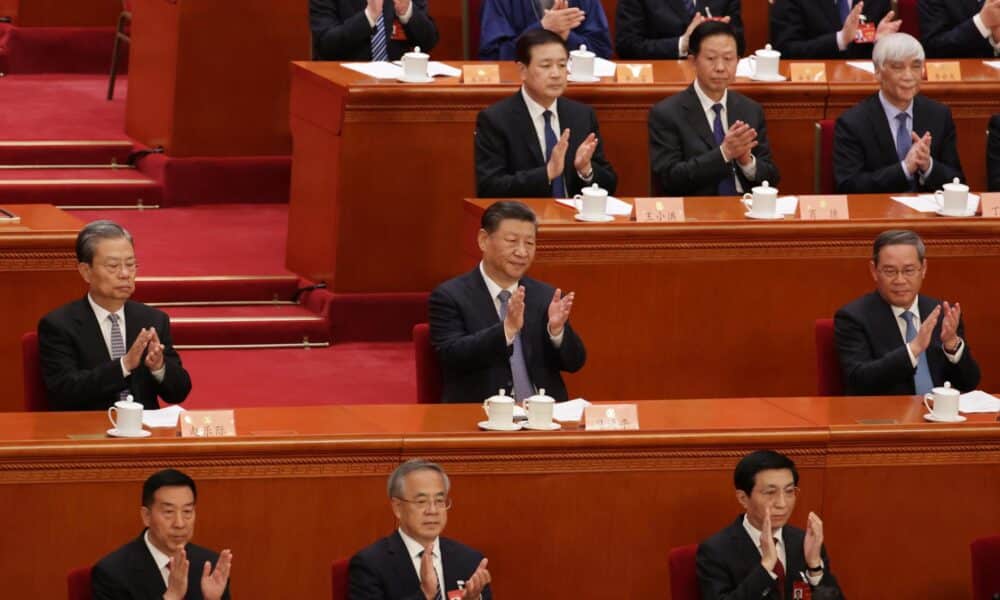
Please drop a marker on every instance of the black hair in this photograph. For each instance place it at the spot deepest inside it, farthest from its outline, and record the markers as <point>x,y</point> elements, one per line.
<point>708,29</point>
<point>95,231</point>
<point>894,237</point>
<point>506,209</point>
<point>166,478</point>
<point>761,460</point>
<point>535,37</point>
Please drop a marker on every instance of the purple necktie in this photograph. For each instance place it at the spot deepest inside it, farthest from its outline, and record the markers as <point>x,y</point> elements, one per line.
<point>518,369</point>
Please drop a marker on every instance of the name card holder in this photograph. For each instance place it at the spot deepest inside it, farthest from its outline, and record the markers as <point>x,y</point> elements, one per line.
<point>944,71</point>
<point>611,417</point>
<point>658,210</point>
<point>641,73</point>
<point>8,218</point>
<point>481,74</point>
<point>811,71</point>
<point>990,203</point>
<point>823,208</point>
<point>208,423</point>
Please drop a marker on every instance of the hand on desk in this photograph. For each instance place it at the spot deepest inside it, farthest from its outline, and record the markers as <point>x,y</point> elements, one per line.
<point>559,310</point>
<point>561,19</point>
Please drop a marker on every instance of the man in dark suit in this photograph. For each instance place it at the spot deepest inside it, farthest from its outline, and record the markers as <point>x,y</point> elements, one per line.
<point>104,347</point>
<point>810,29</point>
<point>993,154</point>
<point>896,140</point>
<point>894,341</point>
<point>741,562</point>
<point>415,562</point>
<point>495,328</point>
<point>661,29</point>
<point>576,22</point>
<point>960,28</point>
<point>709,140</point>
<point>519,150</point>
<point>162,562</point>
<point>363,30</point>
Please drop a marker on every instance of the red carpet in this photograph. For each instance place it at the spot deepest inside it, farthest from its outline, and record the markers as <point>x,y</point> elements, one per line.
<point>61,107</point>
<point>373,373</point>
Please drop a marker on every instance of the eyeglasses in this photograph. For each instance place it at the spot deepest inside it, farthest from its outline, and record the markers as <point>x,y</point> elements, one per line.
<point>773,493</point>
<point>424,503</point>
<point>130,266</point>
<point>892,272</point>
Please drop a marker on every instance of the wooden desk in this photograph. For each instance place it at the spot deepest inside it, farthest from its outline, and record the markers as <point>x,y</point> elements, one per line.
<point>724,306</point>
<point>37,274</point>
<point>303,486</point>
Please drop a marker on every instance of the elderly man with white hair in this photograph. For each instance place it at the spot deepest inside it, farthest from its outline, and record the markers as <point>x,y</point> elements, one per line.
<point>896,140</point>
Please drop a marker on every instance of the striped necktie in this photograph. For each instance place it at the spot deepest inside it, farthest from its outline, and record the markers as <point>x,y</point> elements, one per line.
<point>117,347</point>
<point>379,48</point>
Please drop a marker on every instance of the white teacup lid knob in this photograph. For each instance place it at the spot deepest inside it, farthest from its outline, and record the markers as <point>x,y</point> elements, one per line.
<point>503,392</point>
<point>947,384</point>
<point>583,47</point>
<point>129,398</point>
<point>765,184</point>
<point>541,391</point>
<point>767,47</point>
<point>595,187</point>
<point>416,49</point>
<point>956,180</point>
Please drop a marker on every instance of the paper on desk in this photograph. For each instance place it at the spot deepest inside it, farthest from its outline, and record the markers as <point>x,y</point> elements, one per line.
<point>604,68</point>
<point>744,68</point>
<point>865,65</point>
<point>439,69</point>
<point>164,417</point>
<point>569,411</point>
<point>992,63</point>
<point>926,203</point>
<point>378,70</point>
<point>978,402</point>
<point>615,206</point>
<point>787,205</point>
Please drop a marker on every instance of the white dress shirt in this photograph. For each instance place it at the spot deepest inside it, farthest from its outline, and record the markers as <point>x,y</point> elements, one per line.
<point>413,548</point>
<point>750,171</point>
<point>890,114</point>
<point>104,323</point>
<point>779,545</point>
<point>901,322</point>
<point>161,559</point>
<point>495,289</point>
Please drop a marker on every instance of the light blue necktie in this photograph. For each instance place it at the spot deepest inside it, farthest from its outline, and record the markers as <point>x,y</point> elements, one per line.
<point>379,51</point>
<point>922,381</point>
<point>518,368</point>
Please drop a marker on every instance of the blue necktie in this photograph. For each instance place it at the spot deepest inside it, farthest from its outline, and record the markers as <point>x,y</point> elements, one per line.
<point>845,9</point>
<point>558,190</point>
<point>518,368</point>
<point>727,187</point>
<point>379,48</point>
<point>691,9</point>
<point>922,381</point>
<point>903,140</point>
<point>117,348</point>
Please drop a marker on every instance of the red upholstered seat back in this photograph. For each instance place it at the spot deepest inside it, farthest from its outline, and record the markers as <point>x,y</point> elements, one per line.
<point>683,576</point>
<point>829,380</point>
<point>910,15</point>
<point>339,572</point>
<point>428,368</point>
<point>985,567</point>
<point>78,583</point>
<point>824,182</point>
<point>34,388</point>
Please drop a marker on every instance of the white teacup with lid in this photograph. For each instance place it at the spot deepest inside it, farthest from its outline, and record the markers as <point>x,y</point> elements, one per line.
<point>126,419</point>
<point>765,63</point>
<point>763,202</point>
<point>500,412</point>
<point>539,408</point>
<point>593,201</point>
<point>415,65</point>
<point>582,65</point>
<point>945,406</point>
<point>953,198</point>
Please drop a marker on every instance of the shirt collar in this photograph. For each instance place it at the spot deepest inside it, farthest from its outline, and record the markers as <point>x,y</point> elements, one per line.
<point>535,109</point>
<point>913,308</point>
<point>706,102</point>
<point>159,558</point>
<point>413,547</point>
<point>755,533</point>
<point>494,287</point>
<point>102,313</point>
<point>891,111</point>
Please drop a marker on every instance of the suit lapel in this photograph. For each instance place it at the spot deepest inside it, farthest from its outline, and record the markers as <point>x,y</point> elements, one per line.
<point>448,565</point>
<point>90,333</point>
<point>401,562</point>
<point>745,551</point>
<point>880,128</point>
<point>795,560</point>
<point>145,575</point>
<point>132,325</point>
<point>921,122</point>
<point>527,132</point>
<point>696,116</point>
<point>482,301</point>
<point>832,12</point>
<point>885,325</point>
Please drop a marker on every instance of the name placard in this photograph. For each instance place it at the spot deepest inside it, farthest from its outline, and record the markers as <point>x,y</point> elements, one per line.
<point>990,202</point>
<point>823,208</point>
<point>611,417</point>
<point>658,210</point>
<point>642,73</point>
<point>208,423</point>
<point>944,71</point>
<point>813,71</point>
<point>479,74</point>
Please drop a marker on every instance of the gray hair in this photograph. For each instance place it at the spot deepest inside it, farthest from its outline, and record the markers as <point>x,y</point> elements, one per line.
<point>896,47</point>
<point>895,237</point>
<point>94,232</point>
<point>395,487</point>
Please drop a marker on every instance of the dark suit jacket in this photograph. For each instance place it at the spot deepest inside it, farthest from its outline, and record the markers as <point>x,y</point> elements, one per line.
<point>130,573</point>
<point>993,154</point>
<point>384,570</point>
<point>873,354</point>
<point>652,28</point>
<point>808,29</point>
<point>729,566</point>
<point>864,148</point>
<point>469,339</point>
<point>503,21</point>
<point>947,30</point>
<point>77,368</point>
<point>509,159</point>
<point>684,158</point>
<point>340,30</point>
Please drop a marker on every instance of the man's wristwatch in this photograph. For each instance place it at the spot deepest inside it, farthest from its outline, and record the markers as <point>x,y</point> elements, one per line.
<point>815,570</point>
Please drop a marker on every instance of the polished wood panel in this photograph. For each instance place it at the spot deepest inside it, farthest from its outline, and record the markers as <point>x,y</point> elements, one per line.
<point>200,85</point>
<point>722,305</point>
<point>300,487</point>
<point>37,274</point>
<point>59,13</point>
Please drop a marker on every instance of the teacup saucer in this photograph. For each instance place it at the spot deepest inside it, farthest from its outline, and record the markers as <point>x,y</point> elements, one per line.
<point>427,79</point>
<point>113,432</point>
<point>593,218</point>
<point>947,213</point>
<point>777,77</point>
<point>579,79</point>
<point>553,426</point>
<point>751,215</point>
<point>491,427</point>
<point>936,419</point>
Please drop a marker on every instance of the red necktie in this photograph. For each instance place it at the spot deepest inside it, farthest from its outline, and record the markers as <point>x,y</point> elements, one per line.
<point>779,570</point>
